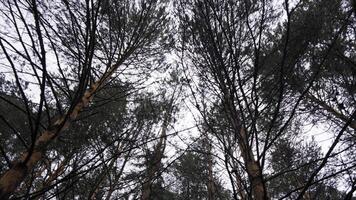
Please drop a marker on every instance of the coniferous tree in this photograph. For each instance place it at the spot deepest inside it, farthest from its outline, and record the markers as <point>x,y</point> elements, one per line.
<point>95,93</point>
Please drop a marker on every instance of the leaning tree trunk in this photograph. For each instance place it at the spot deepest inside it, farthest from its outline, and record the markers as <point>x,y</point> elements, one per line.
<point>14,176</point>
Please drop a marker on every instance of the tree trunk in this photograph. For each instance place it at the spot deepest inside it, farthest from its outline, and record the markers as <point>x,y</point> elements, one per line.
<point>158,153</point>
<point>146,190</point>
<point>253,168</point>
<point>13,177</point>
<point>239,185</point>
<point>211,188</point>
<point>17,173</point>
<point>257,184</point>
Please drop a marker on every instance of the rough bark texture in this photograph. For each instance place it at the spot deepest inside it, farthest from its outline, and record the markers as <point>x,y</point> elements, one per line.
<point>13,177</point>
<point>258,188</point>
<point>253,168</point>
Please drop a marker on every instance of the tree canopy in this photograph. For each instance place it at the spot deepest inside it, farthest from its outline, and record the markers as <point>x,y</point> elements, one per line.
<point>178,99</point>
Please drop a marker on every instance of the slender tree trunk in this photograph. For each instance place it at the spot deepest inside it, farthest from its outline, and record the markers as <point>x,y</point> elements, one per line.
<point>146,187</point>
<point>253,168</point>
<point>239,184</point>
<point>111,190</point>
<point>158,153</point>
<point>211,188</point>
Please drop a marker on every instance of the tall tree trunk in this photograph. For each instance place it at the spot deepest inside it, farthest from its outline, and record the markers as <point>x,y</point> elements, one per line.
<point>14,176</point>
<point>211,188</point>
<point>152,169</point>
<point>253,168</point>
<point>17,173</point>
<point>239,184</point>
<point>158,153</point>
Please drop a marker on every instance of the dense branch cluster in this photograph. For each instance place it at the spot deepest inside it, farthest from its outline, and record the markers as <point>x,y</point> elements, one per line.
<point>177,99</point>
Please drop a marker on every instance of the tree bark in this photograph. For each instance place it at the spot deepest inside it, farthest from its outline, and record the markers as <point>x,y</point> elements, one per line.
<point>211,188</point>
<point>253,168</point>
<point>17,173</point>
<point>14,176</point>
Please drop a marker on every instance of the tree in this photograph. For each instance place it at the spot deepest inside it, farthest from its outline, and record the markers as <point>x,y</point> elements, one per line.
<point>195,175</point>
<point>94,96</point>
<point>244,75</point>
<point>321,68</point>
<point>154,158</point>
<point>98,39</point>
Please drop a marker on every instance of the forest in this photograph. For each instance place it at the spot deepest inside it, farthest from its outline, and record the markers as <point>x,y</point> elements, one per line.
<point>178,99</point>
